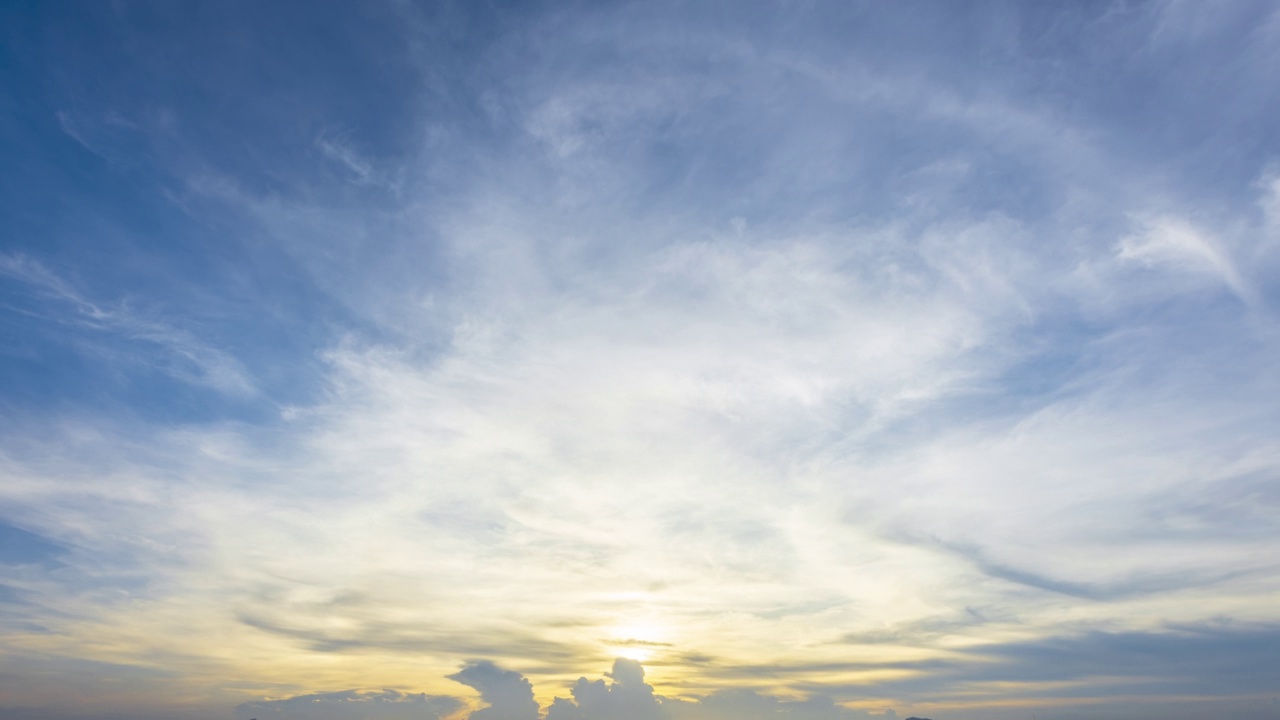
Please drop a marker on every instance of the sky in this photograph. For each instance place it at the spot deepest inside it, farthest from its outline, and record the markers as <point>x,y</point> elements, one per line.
<point>639,360</point>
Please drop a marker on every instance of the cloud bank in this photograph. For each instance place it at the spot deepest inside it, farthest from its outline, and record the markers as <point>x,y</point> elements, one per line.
<point>507,695</point>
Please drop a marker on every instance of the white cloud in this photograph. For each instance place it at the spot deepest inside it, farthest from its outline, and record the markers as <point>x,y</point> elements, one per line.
<point>740,420</point>
<point>1181,247</point>
<point>180,353</point>
<point>723,442</point>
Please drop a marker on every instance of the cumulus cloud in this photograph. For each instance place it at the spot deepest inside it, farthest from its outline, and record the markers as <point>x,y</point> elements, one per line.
<point>508,694</point>
<point>627,697</point>
<point>622,695</point>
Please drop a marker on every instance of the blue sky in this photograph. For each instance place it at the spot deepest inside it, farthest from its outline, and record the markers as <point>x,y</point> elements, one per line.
<point>809,361</point>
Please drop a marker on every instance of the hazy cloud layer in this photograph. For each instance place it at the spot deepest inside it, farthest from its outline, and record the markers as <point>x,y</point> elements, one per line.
<point>369,705</point>
<point>822,358</point>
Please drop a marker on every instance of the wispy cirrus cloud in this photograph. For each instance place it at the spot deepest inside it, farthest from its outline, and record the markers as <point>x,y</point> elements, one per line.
<point>117,332</point>
<point>1170,242</point>
<point>791,361</point>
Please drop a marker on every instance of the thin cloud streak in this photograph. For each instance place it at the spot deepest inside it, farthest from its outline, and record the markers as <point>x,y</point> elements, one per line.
<point>180,354</point>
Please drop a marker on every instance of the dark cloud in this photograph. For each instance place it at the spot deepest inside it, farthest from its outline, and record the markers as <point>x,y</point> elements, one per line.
<point>746,704</point>
<point>1109,672</point>
<point>351,704</point>
<point>1224,660</point>
<point>1133,585</point>
<point>624,695</point>
<point>364,632</point>
<point>632,642</point>
<point>507,695</point>
<point>1202,660</point>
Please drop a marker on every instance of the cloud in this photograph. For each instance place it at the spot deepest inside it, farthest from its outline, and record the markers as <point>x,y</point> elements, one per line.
<point>628,697</point>
<point>345,156</point>
<point>1241,659</point>
<point>741,703</point>
<point>362,170</point>
<point>625,696</point>
<point>508,694</point>
<point>20,547</point>
<point>352,705</point>
<point>116,331</point>
<point>70,127</point>
<point>1176,244</point>
<point>815,347</point>
<point>1133,668</point>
